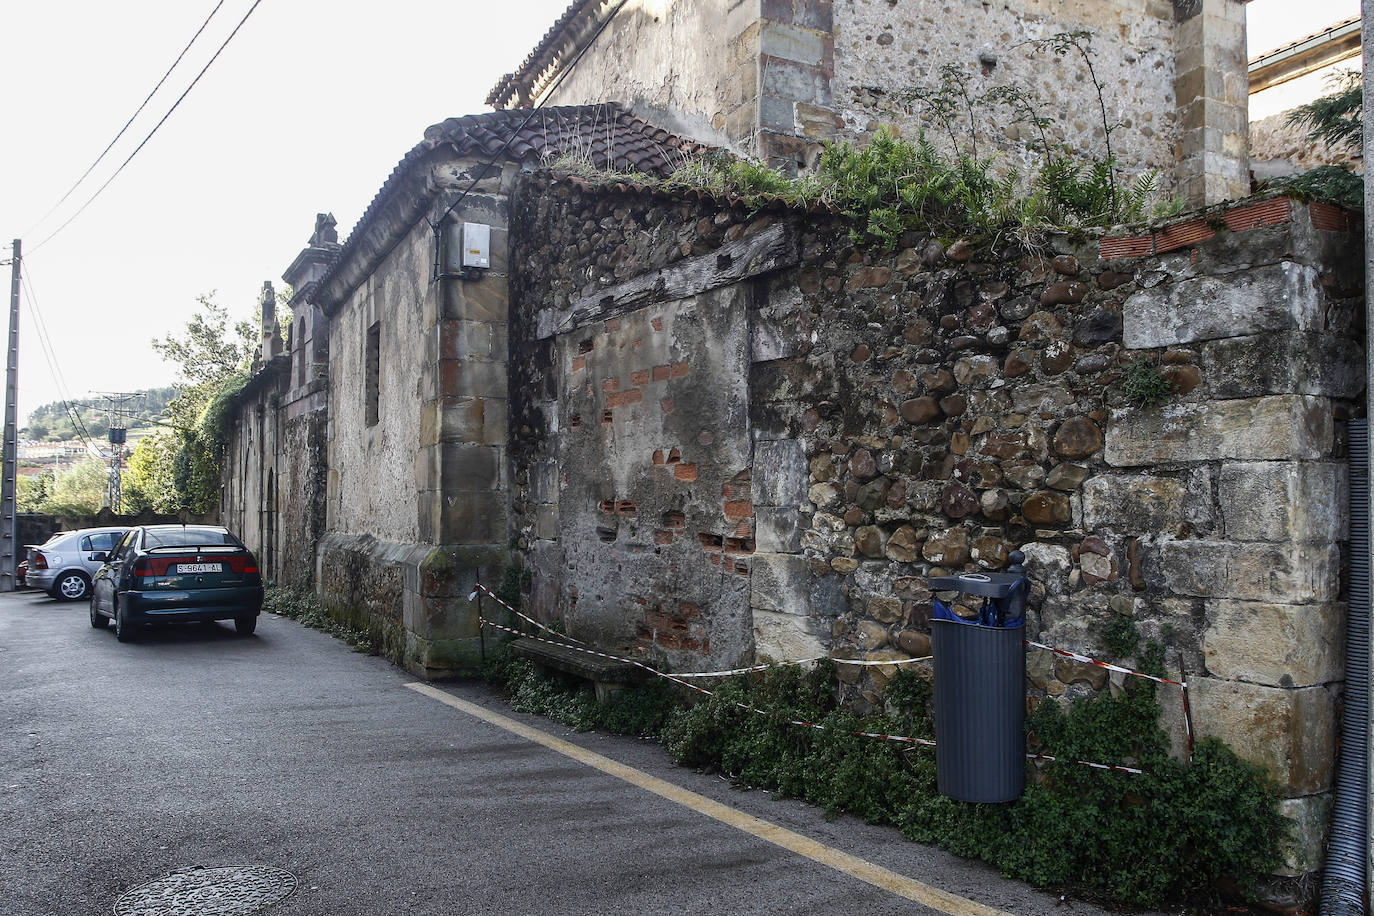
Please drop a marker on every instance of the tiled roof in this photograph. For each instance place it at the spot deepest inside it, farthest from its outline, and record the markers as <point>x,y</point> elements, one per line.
<point>604,135</point>
<point>547,54</point>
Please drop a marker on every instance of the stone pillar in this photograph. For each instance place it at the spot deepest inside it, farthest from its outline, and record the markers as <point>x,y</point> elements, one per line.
<point>783,57</point>
<point>1212,88</point>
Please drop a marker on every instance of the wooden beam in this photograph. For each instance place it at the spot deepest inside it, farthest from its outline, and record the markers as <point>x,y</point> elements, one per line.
<point>772,249</point>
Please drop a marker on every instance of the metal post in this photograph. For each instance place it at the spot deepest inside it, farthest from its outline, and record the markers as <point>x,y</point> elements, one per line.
<point>9,549</point>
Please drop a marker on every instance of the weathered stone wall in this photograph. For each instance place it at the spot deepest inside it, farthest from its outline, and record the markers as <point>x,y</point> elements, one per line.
<point>372,484</point>
<point>933,408</point>
<point>774,78</point>
<point>881,49</point>
<point>676,64</point>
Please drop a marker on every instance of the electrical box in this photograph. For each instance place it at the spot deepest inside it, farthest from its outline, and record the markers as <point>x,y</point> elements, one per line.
<point>476,245</point>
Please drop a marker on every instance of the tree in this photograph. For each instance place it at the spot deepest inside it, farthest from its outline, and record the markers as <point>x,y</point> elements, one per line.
<point>80,491</point>
<point>149,482</point>
<point>33,492</point>
<point>38,431</point>
<point>1336,119</point>
<point>210,349</point>
<point>213,358</point>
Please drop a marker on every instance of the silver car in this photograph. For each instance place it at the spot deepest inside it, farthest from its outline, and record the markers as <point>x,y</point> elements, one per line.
<point>63,567</point>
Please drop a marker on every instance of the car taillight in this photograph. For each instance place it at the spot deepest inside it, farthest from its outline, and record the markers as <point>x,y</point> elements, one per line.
<point>40,561</point>
<point>143,567</point>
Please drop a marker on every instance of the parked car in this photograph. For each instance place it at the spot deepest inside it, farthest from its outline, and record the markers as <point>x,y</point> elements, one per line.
<point>21,575</point>
<point>176,574</point>
<point>64,565</point>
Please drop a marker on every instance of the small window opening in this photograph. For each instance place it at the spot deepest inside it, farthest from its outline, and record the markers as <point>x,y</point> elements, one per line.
<point>372,380</point>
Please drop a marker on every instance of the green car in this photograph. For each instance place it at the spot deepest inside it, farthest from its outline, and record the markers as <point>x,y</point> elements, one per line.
<point>176,574</point>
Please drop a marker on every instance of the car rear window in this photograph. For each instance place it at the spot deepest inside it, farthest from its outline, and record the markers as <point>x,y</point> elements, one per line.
<point>189,537</point>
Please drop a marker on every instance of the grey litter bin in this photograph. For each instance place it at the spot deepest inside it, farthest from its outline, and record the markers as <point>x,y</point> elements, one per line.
<point>980,690</point>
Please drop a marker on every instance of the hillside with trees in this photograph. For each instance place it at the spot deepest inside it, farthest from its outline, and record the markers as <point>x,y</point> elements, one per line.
<point>55,423</point>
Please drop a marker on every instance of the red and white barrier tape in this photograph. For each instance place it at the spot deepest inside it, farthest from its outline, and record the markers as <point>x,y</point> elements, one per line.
<point>694,674</point>
<point>903,739</point>
<point>1110,667</point>
<point>479,587</point>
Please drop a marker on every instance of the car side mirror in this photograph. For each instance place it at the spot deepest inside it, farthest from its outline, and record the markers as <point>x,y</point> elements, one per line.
<point>100,556</point>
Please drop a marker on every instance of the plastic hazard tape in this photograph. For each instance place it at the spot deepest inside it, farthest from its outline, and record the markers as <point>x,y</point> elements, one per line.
<point>1182,685</point>
<point>695,674</point>
<point>1110,667</point>
<point>523,616</point>
<point>901,739</point>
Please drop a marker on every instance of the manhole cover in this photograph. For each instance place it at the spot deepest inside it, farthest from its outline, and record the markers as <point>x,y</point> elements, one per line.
<point>226,891</point>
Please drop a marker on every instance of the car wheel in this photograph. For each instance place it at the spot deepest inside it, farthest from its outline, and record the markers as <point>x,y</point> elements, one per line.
<point>98,620</point>
<point>71,586</point>
<point>124,630</point>
<point>245,626</point>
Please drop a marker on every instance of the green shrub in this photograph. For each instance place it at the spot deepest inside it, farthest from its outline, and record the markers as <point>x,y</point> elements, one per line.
<point>1169,833</point>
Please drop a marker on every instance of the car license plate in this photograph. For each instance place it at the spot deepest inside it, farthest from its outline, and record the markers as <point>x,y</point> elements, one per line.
<point>199,567</point>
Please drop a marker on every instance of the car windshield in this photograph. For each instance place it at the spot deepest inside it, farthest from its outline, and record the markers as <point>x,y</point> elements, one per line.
<point>188,537</point>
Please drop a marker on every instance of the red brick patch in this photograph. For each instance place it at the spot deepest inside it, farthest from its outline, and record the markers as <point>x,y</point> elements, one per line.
<point>1333,219</point>
<point>622,398</point>
<point>739,508</point>
<point>1181,235</point>
<point>657,324</point>
<point>639,377</point>
<point>678,370</point>
<point>663,537</point>
<point>685,472</point>
<point>579,363</point>
<point>660,373</point>
<point>1128,246</point>
<point>612,324</point>
<point>1264,213</point>
<point>610,384</point>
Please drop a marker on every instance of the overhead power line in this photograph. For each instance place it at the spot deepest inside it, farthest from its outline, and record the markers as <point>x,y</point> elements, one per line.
<point>106,150</point>
<point>159,124</point>
<point>63,394</point>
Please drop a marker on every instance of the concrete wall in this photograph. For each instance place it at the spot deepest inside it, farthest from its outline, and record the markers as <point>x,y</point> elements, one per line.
<point>930,410</point>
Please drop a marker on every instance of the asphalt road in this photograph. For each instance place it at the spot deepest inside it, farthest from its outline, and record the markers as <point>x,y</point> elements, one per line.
<point>120,763</point>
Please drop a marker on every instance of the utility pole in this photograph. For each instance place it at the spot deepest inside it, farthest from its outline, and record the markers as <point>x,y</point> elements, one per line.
<point>9,546</point>
<point>114,403</point>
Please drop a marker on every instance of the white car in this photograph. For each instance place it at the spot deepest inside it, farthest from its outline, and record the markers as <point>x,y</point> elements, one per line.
<point>63,567</point>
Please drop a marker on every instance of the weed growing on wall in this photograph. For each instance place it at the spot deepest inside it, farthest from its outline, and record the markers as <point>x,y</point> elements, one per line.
<point>1169,833</point>
<point>1144,385</point>
<point>305,607</point>
<point>890,185</point>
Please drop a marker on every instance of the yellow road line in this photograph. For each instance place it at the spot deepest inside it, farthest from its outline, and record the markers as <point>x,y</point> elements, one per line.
<point>864,870</point>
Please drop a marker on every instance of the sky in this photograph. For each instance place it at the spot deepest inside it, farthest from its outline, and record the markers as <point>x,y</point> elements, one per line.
<point>307,110</point>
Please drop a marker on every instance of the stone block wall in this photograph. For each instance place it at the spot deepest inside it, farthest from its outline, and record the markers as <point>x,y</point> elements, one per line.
<point>774,78</point>
<point>932,408</point>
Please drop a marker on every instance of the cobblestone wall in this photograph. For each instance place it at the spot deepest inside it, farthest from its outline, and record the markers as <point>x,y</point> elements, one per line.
<point>933,408</point>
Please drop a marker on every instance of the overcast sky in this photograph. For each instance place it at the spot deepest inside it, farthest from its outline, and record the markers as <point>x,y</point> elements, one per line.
<point>308,109</point>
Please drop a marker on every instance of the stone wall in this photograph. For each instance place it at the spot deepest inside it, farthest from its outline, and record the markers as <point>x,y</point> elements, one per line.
<point>774,78</point>
<point>676,64</point>
<point>881,49</point>
<point>931,409</point>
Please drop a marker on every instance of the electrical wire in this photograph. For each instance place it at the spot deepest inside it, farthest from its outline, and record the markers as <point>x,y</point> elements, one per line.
<point>106,150</point>
<point>159,124</point>
<point>437,225</point>
<point>63,392</point>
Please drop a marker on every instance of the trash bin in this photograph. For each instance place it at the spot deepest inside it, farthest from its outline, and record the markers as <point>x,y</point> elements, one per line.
<point>980,687</point>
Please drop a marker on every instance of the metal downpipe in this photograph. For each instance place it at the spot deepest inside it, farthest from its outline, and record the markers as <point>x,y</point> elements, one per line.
<point>1344,875</point>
